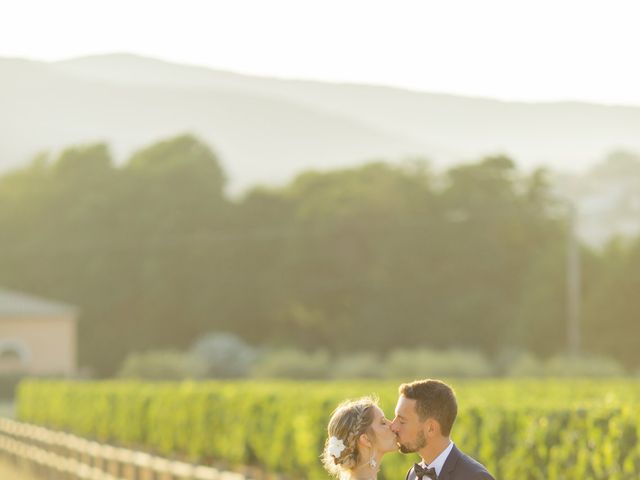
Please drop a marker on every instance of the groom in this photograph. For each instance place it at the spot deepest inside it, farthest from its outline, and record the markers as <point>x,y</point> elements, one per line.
<point>425,414</point>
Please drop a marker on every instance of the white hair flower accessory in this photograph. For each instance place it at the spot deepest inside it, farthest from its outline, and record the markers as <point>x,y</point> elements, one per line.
<point>336,446</point>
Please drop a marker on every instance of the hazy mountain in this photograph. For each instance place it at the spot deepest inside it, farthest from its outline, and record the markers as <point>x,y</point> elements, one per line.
<point>267,129</point>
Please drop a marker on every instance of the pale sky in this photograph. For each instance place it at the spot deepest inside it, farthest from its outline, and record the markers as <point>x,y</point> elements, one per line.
<point>509,49</point>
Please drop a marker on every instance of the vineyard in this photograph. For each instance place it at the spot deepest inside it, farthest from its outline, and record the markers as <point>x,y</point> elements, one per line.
<point>524,429</point>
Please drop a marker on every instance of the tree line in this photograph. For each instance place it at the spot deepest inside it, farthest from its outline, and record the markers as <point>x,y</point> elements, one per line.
<point>364,259</point>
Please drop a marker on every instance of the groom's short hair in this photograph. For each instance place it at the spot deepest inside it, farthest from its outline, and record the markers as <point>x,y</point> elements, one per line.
<point>434,399</point>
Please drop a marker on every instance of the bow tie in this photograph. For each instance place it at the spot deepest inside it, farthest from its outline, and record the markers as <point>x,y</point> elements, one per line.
<point>421,471</point>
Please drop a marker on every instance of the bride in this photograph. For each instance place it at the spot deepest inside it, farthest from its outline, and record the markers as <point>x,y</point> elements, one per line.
<point>358,436</point>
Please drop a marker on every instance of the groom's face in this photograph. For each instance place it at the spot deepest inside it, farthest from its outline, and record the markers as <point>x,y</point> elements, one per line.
<point>407,426</point>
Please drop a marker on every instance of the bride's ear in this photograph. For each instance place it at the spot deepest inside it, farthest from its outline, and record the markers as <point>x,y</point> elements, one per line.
<point>364,440</point>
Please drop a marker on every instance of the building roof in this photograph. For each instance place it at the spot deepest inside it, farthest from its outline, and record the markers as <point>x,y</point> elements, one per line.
<point>17,303</point>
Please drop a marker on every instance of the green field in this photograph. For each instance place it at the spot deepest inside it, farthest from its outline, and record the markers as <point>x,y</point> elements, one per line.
<point>524,429</point>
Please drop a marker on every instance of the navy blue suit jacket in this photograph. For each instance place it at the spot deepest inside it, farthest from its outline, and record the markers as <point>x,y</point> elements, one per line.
<point>459,466</point>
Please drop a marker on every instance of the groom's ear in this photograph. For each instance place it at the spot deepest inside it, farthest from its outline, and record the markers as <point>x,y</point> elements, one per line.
<point>432,426</point>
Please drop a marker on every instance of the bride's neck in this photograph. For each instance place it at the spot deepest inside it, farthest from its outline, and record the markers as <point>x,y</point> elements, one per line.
<point>364,474</point>
<point>366,471</point>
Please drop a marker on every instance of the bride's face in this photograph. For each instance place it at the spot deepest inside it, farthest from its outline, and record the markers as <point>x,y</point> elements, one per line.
<point>385,440</point>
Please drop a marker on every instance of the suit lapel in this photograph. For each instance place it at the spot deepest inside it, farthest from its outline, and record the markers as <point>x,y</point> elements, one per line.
<point>450,464</point>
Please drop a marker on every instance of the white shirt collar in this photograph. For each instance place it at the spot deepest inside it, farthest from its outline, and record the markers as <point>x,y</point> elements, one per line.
<point>438,463</point>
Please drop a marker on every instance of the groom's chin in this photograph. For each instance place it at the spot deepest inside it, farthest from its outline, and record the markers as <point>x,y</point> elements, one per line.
<point>404,449</point>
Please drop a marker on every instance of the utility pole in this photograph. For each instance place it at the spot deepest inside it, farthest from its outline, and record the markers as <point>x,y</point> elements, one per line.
<point>573,282</point>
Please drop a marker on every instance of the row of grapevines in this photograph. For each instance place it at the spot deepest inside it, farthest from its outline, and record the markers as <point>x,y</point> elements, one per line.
<point>518,429</point>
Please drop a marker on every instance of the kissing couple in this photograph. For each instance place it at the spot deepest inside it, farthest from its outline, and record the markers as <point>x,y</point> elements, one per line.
<point>359,436</point>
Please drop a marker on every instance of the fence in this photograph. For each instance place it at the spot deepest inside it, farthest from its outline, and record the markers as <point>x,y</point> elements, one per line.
<point>59,455</point>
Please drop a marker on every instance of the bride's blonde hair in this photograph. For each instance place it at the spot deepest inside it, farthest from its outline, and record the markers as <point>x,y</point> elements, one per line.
<point>348,421</point>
